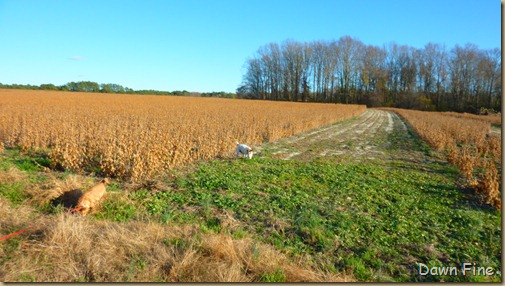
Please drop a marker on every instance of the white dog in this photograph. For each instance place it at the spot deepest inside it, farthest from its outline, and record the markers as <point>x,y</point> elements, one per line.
<point>245,150</point>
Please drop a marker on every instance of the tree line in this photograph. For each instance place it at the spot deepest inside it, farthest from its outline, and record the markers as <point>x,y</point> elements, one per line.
<point>89,86</point>
<point>464,78</point>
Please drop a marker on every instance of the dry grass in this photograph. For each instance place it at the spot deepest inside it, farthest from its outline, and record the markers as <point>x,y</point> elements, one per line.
<point>136,137</point>
<point>66,248</point>
<point>12,175</point>
<point>55,188</point>
<point>468,144</point>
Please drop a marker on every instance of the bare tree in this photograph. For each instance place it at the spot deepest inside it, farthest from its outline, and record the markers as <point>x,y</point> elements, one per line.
<point>463,65</point>
<point>373,76</point>
<point>348,67</point>
<point>347,71</point>
<point>489,74</point>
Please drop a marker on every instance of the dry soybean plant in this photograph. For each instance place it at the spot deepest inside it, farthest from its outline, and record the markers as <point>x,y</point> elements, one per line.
<point>469,145</point>
<point>137,136</point>
<point>491,118</point>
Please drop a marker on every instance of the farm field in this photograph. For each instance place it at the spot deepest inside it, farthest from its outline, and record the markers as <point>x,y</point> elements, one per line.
<point>344,194</point>
<point>135,137</point>
<point>469,143</point>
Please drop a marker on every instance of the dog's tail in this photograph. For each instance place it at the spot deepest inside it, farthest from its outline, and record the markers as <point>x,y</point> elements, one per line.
<point>238,143</point>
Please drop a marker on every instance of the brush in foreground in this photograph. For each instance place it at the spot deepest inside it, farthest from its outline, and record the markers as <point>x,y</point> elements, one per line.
<point>56,251</point>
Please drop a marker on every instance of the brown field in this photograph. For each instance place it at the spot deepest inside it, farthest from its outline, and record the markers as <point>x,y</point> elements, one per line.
<point>137,137</point>
<point>493,119</point>
<point>468,144</point>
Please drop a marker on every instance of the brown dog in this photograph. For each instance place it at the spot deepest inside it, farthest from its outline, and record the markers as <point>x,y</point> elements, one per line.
<point>91,197</point>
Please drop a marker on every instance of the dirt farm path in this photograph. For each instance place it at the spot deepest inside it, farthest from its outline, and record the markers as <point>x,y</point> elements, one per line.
<point>367,136</point>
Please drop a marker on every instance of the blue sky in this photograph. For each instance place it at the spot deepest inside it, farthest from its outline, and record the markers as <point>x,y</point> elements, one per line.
<point>202,45</point>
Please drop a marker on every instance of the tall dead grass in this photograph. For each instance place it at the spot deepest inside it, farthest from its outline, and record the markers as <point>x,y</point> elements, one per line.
<point>66,248</point>
<point>12,175</point>
<point>53,188</point>
<point>467,143</point>
<point>136,137</point>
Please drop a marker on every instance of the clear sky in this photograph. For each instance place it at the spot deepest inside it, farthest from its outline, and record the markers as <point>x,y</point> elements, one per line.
<point>202,45</point>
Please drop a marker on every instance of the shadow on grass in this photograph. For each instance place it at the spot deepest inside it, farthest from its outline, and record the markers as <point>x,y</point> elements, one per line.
<point>457,197</point>
<point>429,165</point>
<point>68,199</point>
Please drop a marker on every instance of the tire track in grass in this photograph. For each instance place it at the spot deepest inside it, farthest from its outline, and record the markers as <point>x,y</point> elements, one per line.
<point>361,138</point>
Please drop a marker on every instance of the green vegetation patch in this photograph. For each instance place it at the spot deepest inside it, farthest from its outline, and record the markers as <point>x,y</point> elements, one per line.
<point>14,192</point>
<point>377,221</point>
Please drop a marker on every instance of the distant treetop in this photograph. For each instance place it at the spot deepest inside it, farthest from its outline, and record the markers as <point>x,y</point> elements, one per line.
<point>89,86</point>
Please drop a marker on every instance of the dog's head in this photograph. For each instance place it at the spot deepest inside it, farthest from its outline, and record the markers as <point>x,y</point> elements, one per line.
<point>250,153</point>
<point>106,181</point>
